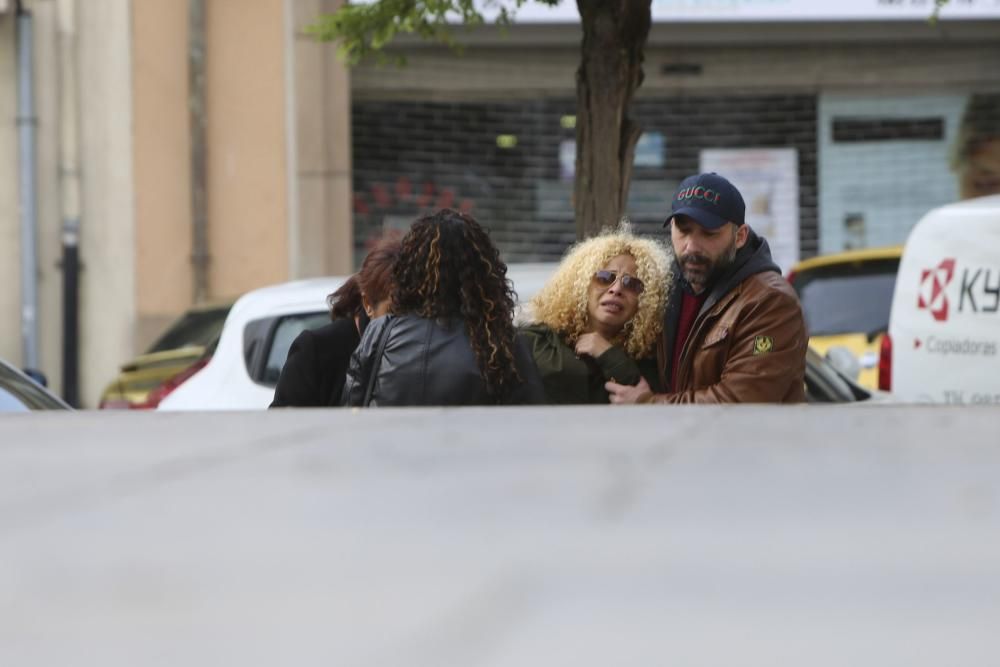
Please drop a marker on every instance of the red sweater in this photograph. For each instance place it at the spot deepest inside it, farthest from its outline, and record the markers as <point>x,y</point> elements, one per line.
<point>690,305</point>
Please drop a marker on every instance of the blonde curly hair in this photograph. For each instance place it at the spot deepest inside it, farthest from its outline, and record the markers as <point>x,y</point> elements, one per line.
<point>562,304</point>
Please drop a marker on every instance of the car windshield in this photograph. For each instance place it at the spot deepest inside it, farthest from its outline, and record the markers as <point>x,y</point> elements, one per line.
<point>847,299</point>
<point>198,327</point>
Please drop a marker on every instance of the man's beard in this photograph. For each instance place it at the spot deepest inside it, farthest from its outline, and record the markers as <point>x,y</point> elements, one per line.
<point>701,271</point>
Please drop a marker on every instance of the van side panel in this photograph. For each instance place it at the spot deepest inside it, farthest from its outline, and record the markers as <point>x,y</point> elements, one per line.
<point>945,319</point>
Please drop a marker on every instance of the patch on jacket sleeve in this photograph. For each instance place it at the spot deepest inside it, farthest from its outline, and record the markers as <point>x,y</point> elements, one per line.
<point>762,344</point>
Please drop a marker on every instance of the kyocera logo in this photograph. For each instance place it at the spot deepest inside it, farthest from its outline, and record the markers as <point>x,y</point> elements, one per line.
<point>979,290</point>
<point>931,295</point>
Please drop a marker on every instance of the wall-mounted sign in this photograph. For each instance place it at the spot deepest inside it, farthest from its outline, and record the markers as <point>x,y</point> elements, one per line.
<point>782,10</point>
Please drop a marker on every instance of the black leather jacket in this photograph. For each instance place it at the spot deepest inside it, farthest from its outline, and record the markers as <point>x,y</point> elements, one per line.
<point>428,362</point>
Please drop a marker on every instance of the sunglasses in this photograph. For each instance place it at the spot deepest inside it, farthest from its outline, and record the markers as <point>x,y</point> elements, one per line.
<point>608,278</point>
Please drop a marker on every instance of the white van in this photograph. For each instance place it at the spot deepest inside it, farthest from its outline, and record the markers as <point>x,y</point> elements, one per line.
<point>944,327</point>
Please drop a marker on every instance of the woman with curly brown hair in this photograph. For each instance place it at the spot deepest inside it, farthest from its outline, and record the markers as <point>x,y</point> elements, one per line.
<point>450,339</point>
<point>600,316</point>
<point>316,366</point>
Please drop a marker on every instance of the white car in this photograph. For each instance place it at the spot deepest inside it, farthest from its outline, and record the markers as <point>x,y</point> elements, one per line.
<point>253,346</point>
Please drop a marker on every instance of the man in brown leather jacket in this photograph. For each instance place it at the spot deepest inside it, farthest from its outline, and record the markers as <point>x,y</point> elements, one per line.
<point>733,330</point>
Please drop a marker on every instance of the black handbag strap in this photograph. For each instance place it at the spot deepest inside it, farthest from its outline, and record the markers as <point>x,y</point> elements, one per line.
<point>377,362</point>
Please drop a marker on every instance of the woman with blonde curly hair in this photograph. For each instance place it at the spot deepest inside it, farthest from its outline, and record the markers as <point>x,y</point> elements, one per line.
<point>600,316</point>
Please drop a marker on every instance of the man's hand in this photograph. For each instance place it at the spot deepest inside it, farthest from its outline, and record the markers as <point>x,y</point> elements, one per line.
<point>624,394</point>
<point>591,344</point>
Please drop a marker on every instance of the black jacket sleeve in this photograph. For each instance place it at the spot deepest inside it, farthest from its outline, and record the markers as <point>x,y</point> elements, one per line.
<point>298,384</point>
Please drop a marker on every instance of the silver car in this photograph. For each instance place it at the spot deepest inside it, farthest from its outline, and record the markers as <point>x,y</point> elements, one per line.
<point>19,393</point>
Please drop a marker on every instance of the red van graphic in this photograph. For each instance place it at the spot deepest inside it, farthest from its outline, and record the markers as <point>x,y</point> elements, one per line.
<point>933,282</point>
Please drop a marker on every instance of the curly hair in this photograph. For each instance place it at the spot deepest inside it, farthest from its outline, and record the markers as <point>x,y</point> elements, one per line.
<point>374,279</point>
<point>562,304</point>
<point>449,267</point>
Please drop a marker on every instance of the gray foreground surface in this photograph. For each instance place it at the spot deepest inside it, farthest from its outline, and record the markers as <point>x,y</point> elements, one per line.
<point>593,536</point>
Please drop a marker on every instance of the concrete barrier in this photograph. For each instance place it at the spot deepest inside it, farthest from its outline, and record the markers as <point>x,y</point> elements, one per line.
<point>536,536</point>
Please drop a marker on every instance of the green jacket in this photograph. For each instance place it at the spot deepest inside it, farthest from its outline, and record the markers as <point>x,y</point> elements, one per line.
<point>569,379</point>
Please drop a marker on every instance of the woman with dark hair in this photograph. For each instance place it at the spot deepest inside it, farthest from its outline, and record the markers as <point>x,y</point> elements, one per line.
<point>313,374</point>
<point>450,339</point>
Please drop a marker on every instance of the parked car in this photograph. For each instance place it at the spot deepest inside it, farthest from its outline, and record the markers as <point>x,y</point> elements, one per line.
<point>20,393</point>
<point>846,299</point>
<point>253,346</point>
<point>944,331</point>
<point>252,349</point>
<point>260,328</point>
<point>181,351</point>
<point>825,383</point>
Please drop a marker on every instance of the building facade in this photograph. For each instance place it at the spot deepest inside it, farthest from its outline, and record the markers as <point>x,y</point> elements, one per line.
<point>117,98</point>
<point>840,128</point>
<point>198,173</point>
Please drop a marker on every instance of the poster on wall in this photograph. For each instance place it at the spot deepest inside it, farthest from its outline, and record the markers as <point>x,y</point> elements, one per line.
<point>768,179</point>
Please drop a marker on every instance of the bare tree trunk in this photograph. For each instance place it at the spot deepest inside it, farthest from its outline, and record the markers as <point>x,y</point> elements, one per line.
<point>614,37</point>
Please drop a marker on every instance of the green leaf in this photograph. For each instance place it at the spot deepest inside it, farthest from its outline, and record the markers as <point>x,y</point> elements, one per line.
<point>936,14</point>
<point>366,30</point>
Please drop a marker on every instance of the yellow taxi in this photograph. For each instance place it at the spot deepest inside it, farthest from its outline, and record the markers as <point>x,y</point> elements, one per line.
<point>846,298</point>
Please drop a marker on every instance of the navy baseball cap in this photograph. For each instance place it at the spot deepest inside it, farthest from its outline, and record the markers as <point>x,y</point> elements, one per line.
<point>709,199</point>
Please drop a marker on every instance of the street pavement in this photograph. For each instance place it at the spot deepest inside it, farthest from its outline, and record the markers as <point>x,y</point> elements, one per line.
<point>536,536</point>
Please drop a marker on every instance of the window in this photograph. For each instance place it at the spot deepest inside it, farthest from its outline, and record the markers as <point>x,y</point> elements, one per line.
<point>840,300</point>
<point>266,343</point>
<point>198,328</point>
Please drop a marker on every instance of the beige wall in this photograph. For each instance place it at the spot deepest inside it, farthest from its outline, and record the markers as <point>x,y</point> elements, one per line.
<point>49,277</point>
<point>340,184</point>
<point>278,149</point>
<point>48,203</point>
<point>107,243</point>
<point>107,289</point>
<point>321,231</point>
<point>10,235</point>
<point>247,156</point>
<point>164,283</point>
